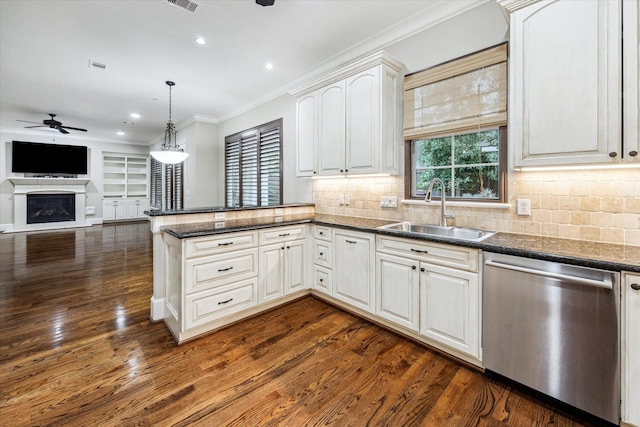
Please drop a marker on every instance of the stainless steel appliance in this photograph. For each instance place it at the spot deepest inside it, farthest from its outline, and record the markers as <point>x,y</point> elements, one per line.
<point>555,328</point>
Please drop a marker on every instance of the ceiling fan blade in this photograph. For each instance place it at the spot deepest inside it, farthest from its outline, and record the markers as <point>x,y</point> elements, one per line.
<point>69,127</point>
<point>27,121</point>
<point>37,126</point>
<point>62,130</point>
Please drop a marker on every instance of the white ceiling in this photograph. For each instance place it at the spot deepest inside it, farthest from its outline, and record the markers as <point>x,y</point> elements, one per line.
<point>46,46</point>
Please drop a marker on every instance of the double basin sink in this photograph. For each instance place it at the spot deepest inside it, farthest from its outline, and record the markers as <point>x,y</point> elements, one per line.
<point>468,234</point>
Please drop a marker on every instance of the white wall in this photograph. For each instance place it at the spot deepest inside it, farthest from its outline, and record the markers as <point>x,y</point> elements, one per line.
<point>295,190</point>
<point>94,168</point>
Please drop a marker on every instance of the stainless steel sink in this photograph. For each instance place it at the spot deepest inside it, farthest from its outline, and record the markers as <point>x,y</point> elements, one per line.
<point>460,233</point>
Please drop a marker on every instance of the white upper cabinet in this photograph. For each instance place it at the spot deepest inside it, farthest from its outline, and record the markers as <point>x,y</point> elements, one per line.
<point>349,120</point>
<point>631,65</point>
<point>307,134</point>
<point>565,86</point>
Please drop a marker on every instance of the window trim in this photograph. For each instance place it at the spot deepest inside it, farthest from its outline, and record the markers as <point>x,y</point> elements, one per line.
<point>502,172</point>
<point>259,130</point>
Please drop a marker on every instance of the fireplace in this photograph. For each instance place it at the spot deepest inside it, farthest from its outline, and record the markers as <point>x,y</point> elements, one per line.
<point>50,208</point>
<point>68,214</point>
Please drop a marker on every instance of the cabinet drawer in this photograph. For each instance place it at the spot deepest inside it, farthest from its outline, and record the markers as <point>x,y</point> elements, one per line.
<point>323,280</point>
<point>322,233</point>
<point>281,234</point>
<point>434,253</point>
<point>211,245</point>
<point>209,272</point>
<point>203,307</point>
<point>322,253</point>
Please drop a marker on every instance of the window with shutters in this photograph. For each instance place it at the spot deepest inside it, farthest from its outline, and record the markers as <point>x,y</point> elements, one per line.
<point>167,192</point>
<point>253,166</point>
<point>455,117</point>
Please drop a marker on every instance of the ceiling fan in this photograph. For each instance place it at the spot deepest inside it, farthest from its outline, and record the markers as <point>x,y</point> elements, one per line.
<point>53,124</point>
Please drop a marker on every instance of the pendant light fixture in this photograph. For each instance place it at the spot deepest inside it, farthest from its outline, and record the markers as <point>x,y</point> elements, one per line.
<point>170,152</point>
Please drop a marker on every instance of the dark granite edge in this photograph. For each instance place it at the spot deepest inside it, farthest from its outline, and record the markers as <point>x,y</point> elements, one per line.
<point>189,211</point>
<point>213,231</point>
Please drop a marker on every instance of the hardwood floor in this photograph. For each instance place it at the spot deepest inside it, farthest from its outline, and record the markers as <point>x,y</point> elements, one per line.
<point>77,348</point>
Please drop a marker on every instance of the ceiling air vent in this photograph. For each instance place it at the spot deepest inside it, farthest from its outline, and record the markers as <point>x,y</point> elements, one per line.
<point>99,66</point>
<point>188,5</point>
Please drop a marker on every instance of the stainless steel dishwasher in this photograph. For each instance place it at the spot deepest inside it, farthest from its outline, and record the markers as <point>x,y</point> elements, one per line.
<point>554,328</point>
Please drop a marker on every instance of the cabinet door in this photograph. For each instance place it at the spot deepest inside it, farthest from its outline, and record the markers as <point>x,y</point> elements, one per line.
<point>331,129</point>
<point>631,348</point>
<point>294,265</point>
<point>449,308</point>
<point>397,290</point>
<point>564,105</point>
<point>271,272</point>
<point>306,110</point>
<point>363,122</point>
<point>108,210</point>
<point>354,268</point>
<point>630,73</point>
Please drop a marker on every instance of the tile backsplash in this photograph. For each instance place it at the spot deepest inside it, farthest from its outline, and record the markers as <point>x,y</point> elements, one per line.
<point>594,205</point>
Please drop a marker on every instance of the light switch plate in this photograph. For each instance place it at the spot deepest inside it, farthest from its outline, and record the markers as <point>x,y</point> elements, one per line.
<point>219,215</point>
<point>388,202</point>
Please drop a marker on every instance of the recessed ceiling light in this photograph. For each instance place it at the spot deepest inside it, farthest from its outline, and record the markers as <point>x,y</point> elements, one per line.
<point>121,133</point>
<point>201,40</point>
<point>135,115</point>
<point>268,66</point>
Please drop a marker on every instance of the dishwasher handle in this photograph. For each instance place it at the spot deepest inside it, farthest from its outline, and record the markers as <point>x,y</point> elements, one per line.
<point>606,284</point>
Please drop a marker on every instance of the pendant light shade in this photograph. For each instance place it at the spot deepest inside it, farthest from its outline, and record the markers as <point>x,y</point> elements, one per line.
<point>170,153</point>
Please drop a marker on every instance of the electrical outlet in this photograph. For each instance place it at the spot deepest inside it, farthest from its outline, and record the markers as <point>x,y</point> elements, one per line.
<point>278,211</point>
<point>219,215</point>
<point>347,199</point>
<point>388,202</point>
<point>523,207</point>
<point>220,224</point>
<point>341,199</point>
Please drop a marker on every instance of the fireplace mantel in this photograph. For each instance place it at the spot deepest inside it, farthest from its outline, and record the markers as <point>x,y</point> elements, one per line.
<point>23,186</point>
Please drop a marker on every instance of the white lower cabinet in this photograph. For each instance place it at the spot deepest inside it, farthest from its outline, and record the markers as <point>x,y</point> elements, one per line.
<point>353,269</point>
<point>282,268</point>
<point>433,290</point>
<point>631,348</point>
<point>397,285</point>
<point>136,208</point>
<point>213,280</point>
<point>114,209</point>
<point>449,307</point>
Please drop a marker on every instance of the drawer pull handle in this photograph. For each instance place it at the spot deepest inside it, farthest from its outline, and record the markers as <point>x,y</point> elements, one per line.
<point>225,244</point>
<point>635,286</point>
<point>351,241</point>
<point>284,234</point>
<point>224,302</point>
<point>420,251</point>
<point>225,269</point>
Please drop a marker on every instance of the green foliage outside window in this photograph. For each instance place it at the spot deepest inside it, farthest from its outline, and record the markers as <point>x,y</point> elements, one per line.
<point>468,164</point>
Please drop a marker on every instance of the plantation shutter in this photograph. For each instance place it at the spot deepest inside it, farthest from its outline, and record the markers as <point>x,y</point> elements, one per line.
<point>465,94</point>
<point>232,168</point>
<point>253,167</point>
<point>155,184</point>
<point>270,165</point>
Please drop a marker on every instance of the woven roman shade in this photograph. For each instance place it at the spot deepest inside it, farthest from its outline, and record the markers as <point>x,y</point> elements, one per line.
<point>466,94</point>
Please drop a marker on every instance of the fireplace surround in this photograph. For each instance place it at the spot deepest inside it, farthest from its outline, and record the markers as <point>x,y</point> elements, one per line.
<point>49,187</point>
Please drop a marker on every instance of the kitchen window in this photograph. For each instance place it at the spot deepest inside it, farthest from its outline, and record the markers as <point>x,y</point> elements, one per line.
<point>455,117</point>
<point>253,166</point>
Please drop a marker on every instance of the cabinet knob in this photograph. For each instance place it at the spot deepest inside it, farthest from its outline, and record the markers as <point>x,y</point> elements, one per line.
<point>413,267</point>
<point>635,286</point>
<point>314,172</point>
<point>321,253</point>
<point>613,154</point>
<point>321,280</point>
<point>422,269</point>
<point>633,153</point>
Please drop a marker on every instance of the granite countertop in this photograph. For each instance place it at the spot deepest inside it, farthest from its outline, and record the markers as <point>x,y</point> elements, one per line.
<point>164,212</point>
<point>588,254</point>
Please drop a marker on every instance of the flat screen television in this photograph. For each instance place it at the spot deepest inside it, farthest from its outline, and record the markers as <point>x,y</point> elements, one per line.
<point>47,159</point>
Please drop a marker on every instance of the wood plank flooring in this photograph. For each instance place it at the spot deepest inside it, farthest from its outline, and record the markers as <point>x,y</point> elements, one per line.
<point>77,349</point>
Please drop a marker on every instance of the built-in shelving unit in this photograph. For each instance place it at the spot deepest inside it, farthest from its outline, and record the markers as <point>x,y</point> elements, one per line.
<point>124,176</point>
